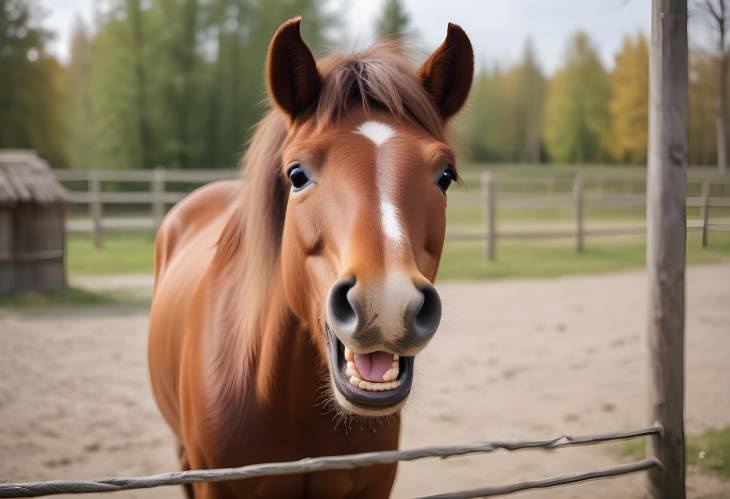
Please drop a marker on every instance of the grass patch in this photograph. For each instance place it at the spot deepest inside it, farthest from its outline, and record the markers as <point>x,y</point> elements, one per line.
<point>710,450</point>
<point>123,253</point>
<point>552,258</point>
<point>75,297</point>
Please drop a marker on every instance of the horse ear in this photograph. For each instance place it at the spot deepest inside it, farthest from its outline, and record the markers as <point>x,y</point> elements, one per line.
<point>448,73</point>
<point>292,76</point>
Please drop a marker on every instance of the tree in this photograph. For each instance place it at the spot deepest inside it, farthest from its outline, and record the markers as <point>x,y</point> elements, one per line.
<point>393,22</point>
<point>240,31</point>
<point>702,99</point>
<point>577,121</point>
<point>113,90</point>
<point>177,83</point>
<point>30,83</point>
<point>502,121</point>
<point>530,103</point>
<point>137,37</point>
<point>480,128</point>
<point>81,146</point>
<point>717,13</point>
<point>629,104</point>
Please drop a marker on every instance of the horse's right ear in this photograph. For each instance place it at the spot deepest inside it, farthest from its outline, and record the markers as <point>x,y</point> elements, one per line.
<point>291,71</point>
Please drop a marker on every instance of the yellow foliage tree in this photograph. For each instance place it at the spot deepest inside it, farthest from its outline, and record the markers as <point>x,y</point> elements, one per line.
<point>702,91</point>
<point>629,103</point>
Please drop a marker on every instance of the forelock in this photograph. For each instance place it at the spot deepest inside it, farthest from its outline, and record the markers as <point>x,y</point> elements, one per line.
<point>381,78</point>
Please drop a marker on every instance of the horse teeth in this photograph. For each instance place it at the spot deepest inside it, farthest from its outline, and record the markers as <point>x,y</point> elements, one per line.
<point>373,387</point>
<point>392,373</point>
<point>390,377</point>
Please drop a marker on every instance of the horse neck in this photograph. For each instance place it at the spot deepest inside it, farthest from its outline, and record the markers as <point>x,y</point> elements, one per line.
<point>267,361</point>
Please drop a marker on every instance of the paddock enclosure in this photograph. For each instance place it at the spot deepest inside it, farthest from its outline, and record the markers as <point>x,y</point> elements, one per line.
<point>663,424</point>
<point>566,367</point>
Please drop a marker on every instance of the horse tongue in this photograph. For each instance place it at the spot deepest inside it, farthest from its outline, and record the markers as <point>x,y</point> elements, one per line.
<point>372,366</point>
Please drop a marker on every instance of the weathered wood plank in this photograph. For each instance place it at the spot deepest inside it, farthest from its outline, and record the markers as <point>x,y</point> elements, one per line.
<point>666,242</point>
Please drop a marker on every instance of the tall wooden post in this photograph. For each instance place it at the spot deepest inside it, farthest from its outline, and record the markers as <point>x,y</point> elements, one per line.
<point>490,215</point>
<point>666,242</point>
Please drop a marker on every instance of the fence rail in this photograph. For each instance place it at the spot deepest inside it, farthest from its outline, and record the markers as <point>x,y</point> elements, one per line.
<point>577,190</point>
<point>310,465</point>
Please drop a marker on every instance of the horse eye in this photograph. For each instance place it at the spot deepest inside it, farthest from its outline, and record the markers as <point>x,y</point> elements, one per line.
<point>447,176</point>
<point>297,177</point>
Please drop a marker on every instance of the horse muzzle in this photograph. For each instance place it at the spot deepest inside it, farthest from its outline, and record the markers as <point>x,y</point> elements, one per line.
<point>373,334</point>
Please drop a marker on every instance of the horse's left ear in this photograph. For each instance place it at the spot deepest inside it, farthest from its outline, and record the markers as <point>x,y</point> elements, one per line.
<point>291,71</point>
<point>448,73</point>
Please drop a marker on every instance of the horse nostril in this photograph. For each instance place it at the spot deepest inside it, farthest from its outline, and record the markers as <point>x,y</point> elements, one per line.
<point>426,319</point>
<point>340,310</point>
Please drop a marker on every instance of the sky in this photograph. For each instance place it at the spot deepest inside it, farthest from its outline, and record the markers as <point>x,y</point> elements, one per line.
<point>498,28</point>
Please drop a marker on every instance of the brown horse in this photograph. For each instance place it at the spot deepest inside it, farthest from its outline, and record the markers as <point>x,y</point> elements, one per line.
<point>303,291</point>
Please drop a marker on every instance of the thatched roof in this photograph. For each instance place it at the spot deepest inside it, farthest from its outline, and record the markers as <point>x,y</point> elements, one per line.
<point>24,177</point>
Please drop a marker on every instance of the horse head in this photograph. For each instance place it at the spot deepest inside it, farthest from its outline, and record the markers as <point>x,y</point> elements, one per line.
<point>368,167</point>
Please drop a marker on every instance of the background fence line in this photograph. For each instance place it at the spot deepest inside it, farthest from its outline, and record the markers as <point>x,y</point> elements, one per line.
<point>577,190</point>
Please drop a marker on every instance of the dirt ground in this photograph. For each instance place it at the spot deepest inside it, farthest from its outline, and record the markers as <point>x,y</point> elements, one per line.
<point>514,359</point>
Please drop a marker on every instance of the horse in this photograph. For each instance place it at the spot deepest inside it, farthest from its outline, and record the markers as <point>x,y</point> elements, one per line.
<point>289,305</point>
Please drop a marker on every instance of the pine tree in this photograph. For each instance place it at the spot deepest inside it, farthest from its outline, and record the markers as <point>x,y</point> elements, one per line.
<point>529,106</point>
<point>393,22</point>
<point>30,83</point>
<point>80,119</point>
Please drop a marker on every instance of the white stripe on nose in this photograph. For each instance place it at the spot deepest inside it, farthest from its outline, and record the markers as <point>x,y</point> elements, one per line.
<point>390,220</point>
<point>379,133</point>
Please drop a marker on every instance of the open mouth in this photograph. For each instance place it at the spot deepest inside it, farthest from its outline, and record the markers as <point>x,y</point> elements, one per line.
<point>376,380</point>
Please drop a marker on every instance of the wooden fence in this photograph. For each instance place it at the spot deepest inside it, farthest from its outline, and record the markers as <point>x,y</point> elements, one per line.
<point>580,198</point>
<point>577,190</point>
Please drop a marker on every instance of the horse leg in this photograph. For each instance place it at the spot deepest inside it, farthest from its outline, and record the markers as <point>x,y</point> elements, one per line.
<point>185,466</point>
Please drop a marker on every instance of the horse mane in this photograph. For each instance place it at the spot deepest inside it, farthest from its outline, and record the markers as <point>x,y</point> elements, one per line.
<point>380,77</point>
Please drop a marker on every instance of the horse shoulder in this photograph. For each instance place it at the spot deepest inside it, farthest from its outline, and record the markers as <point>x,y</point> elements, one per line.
<point>184,248</point>
<point>196,212</point>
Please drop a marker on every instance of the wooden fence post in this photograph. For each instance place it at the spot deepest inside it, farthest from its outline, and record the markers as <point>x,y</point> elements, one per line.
<point>157,188</point>
<point>666,242</point>
<point>578,200</point>
<point>705,212</point>
<point>490,208</point>
<point>95,209</point>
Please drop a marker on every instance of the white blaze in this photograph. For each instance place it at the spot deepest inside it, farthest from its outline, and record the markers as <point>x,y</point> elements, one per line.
<point>379,133</point>
<point>376,131</point>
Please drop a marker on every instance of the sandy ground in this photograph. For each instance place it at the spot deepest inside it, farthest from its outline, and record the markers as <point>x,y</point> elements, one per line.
<point>514,359</point>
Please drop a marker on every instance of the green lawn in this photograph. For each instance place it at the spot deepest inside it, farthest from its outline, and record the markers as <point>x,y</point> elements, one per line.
<point>552,258</point>
<point>123,253</point>
<point>133,253</point>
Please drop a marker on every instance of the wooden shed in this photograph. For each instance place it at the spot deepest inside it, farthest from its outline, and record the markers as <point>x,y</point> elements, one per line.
<point>32,226</point>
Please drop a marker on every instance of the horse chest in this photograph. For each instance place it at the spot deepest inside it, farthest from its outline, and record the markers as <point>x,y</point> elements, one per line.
<point>274,436</point>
